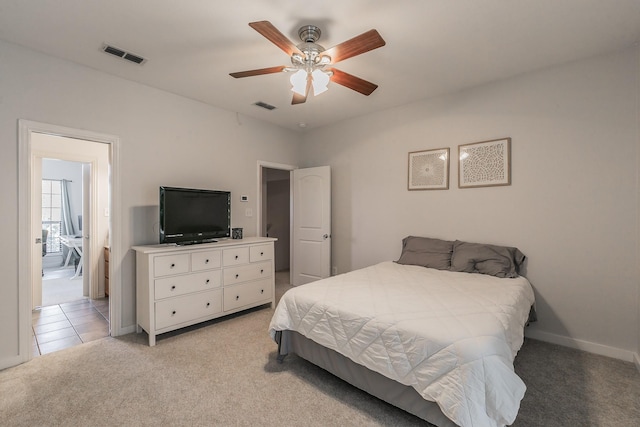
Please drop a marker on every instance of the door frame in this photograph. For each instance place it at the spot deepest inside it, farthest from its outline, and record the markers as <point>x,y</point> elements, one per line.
<point>25,269</point>
<point>259,200</point>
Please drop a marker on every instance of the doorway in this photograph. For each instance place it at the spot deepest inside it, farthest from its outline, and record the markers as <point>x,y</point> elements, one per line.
<point>308,199</point>
<point>275,212</point>
<point>64,205</point>
<point>97,244</point>
<point>67,308</point>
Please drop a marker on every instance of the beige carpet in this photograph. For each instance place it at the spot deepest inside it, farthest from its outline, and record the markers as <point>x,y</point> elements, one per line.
<point>225,374</point>
<point>219,375</point>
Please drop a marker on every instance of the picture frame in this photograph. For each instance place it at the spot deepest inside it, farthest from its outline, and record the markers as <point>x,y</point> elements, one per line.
<point>485,163</point>
<point>428,170</point>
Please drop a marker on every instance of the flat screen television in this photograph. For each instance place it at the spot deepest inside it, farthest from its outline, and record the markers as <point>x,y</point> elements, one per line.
<point>189,215</point>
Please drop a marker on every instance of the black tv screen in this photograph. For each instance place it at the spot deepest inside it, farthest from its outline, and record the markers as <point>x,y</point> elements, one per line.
<point>189,215</point>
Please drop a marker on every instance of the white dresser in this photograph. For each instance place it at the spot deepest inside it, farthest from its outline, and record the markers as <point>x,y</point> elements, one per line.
<point>178,286</point>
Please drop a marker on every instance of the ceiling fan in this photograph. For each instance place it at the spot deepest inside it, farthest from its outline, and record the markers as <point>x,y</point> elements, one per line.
<point>311,64</point>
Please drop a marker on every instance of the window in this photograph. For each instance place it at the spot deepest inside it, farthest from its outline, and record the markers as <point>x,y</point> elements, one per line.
<point>52,213</point>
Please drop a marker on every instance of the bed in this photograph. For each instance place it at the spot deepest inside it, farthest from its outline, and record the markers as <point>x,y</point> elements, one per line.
<point>434,333</point>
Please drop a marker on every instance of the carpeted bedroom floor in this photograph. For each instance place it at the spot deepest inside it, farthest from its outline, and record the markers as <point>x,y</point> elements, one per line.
<point>225,373</point>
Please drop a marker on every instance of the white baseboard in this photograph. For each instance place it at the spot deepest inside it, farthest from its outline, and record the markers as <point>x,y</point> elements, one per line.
<point>636,359</point>
<point>10,362</point>
<point>590,347</point>
<point>124,331</point>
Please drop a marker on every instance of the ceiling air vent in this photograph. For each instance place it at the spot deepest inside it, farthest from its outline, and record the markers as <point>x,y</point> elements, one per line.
<point>122,54</point>
<point>264,105</point>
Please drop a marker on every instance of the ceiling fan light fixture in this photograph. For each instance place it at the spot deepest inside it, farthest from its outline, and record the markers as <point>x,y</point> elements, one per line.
<point>299,82</point>
<point>323,60</point>
<point>320,82</point>
<point>297,59</point>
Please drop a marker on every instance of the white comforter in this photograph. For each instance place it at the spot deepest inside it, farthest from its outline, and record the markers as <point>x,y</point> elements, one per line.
<point>451,336</point>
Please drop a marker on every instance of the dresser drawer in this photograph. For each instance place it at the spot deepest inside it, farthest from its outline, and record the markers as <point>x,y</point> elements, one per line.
<point>260,253</point>
<point>247,294</point>
<point>174,311</point>
<point>179,285</point>
<point>245,273</point>
<point>205,260</point>
<point>170,264</point>
<point>235,256</point>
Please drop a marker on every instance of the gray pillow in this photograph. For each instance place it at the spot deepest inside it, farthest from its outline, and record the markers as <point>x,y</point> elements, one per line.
<point>427,252</point>
<point>499,261</point>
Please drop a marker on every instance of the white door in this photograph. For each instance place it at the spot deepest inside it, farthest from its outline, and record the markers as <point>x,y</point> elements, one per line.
<point>311,224</point>
<point>36,229</point>
<point>85,229</point>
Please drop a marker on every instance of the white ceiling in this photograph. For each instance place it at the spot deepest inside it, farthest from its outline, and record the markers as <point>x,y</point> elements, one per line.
<point>433,46</point>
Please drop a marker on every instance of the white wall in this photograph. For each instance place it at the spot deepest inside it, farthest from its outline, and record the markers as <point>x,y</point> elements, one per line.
<point>164,140</point>
<point>572,207</point>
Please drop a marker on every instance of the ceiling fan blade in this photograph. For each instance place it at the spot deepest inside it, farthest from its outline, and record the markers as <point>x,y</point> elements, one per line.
<point>272,34</point>
<point>298,99</point>
<point>355,46</point>
<point>258,72</point>
<point>352,82</point>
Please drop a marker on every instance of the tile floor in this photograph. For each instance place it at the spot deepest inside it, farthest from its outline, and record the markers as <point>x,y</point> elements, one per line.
<point>65,325</point>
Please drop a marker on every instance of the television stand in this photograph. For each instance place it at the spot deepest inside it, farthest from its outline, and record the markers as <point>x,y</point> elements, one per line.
<point>178,286</point>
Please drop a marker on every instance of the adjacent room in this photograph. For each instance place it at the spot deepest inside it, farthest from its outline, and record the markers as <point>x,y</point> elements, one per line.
<point>326,213</point>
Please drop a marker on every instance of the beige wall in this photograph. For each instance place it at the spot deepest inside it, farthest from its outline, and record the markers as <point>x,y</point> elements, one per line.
<point>572,207</point>
<point>164,140</point>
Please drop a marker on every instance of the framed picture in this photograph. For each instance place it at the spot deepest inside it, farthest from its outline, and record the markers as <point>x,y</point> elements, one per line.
<point>429,169</point>
<point>484,164</point>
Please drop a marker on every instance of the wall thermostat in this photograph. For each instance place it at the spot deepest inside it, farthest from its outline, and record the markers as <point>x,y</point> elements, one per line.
<point>244,198</point>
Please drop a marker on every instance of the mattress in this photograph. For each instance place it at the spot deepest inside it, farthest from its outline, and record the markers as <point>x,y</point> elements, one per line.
<point>451,336</point>
<point>402,396</point>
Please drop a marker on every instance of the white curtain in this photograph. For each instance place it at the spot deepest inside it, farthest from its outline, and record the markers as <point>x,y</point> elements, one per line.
<point>67,227</point>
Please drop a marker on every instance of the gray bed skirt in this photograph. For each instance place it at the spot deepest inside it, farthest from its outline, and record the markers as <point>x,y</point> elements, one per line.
<point>402,396</point>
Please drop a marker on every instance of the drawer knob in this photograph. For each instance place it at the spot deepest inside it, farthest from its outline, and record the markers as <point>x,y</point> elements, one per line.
<point>261,271</point>
<point>262,291</point>
<point>173,265</point>
<point>208,281</point>
<point>237,297</point>
<point>236,256</point>
<point>208,304</point>
<point>237,275</point>
<point>173,287</point>
<point>173,312</point>
<point>261,253</point>
<point>206,261</point>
